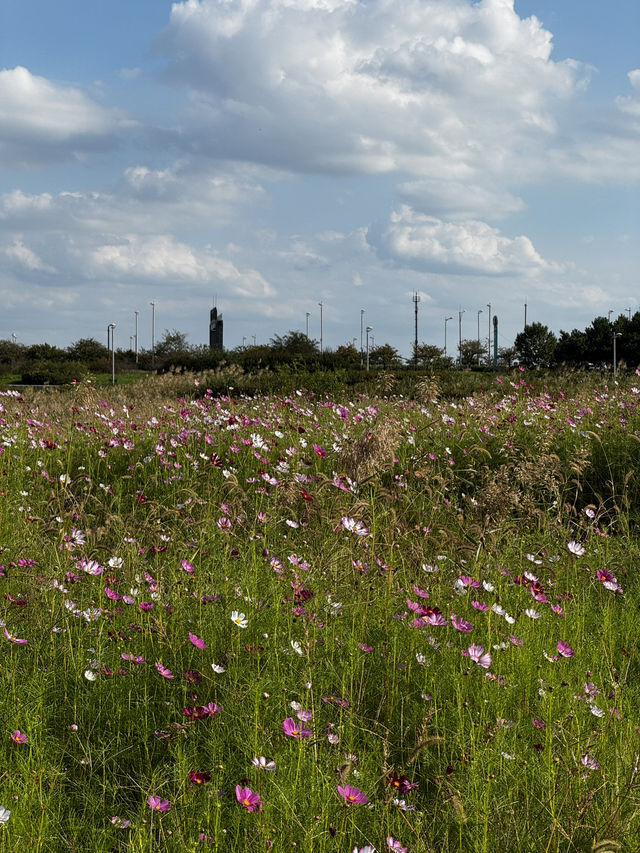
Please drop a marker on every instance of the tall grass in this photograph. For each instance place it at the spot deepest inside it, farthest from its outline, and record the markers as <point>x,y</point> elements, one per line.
<point>134,525</point>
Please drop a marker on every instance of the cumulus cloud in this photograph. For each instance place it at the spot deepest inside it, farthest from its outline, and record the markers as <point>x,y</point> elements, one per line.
<point>471,247</point>
<point>444,88</point>
<point>41,121</point>
<point>26,257</point>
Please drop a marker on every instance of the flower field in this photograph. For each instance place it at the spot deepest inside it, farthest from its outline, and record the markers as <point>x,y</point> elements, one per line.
<point>323,624</point>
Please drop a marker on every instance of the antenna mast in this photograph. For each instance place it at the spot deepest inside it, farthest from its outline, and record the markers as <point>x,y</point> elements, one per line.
<point>415,299</point>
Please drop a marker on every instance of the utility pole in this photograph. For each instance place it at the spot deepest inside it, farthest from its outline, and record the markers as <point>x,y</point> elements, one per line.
<point>628,310</point>
<point>525,316</point>
<point>307,316</point>
<point>321,347</point>
<point>479,313</point>
<point>446,320</point>
<point>153,334</point>
<point>460,313</point>
<point>112,327</point>
<point>361,331</point>
<point>616,335</point>
<point>369,329</point>
<point>415,298</point>
<point>136,313</point>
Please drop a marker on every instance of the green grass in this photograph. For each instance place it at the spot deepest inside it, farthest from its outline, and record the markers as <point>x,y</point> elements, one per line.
<point>483,488</point>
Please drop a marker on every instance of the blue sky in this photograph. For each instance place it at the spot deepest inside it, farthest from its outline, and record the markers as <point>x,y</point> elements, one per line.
<point>279,153</point>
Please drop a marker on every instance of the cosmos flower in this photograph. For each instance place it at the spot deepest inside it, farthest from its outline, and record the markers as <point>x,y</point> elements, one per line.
<point>576,548</point>
<point>293,729</point>
<point>19,737</point>
<point>13,639</point>
<point>590,762</point>
<point>164,671</point>
<point>158,804</point>
<point>395,846</point>
<point>239,619</point>
<point>263,764</point>
<point>197,641</point>
<point>565,649</point>
<point>352,795</point>
<point>478,655</point>
<point>5,814</point>
<point>461,624</point>
<point>249,799</point>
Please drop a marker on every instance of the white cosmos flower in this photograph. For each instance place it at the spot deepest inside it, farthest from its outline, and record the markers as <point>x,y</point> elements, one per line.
<point>90,675</point>
<point>239,619</point>
<point>217,668</point>
<point>5,814</point>
<point>297,648</point>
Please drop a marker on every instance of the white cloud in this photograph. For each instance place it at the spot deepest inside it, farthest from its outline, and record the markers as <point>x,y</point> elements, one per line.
<point>460,248</point>
<point>440,88</point>
<point>26,257</point>
<point>42,121</point>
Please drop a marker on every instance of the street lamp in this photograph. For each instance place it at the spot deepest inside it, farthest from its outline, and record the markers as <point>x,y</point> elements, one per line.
<point>479,313</point>
<point>244,338</point>
<point>307,316</point>
<point>361,330</point>
<point>136,313</point>
<point>153,334</point>
<point>369,329</point>
<point>609,313</point>
<point>321,350</point>
<point>460,313</point>
<point>446,320</point>
<point>616,335</point>
<point>628,310</point>
<point>112,328</point>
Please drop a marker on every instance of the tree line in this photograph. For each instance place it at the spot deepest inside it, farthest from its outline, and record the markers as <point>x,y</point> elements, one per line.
<point>535,346</point>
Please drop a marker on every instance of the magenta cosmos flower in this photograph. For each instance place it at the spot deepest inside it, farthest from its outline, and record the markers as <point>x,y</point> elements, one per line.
<point>19,737</point>
<point>352,795</point>
<point>197,641</point>
<point>565,649</point>
<point>249,799</point>
<point>164,671</point>
<point>13,639</point>
<point>478,655</point>
<point>293,729</point>
<point>157,804</point>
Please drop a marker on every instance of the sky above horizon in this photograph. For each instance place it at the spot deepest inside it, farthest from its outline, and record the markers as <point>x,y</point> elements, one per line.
<point>275,154</point>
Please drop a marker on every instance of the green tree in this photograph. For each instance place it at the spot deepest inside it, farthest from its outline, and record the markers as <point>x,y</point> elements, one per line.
<point>535,346</point>
<point>471,352</point>
<point>385,356</point>
<point>294,344</point>
<point>427,355</point>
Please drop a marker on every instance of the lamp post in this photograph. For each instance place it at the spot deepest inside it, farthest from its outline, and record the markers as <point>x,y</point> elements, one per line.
<point>479,313</point>
<point>361,331</point>
<point>254,339</point>
<point>112,328</point>
<point>609,313</point>
<point>628,310</point>
<point>369,329</point>
<point>153,334</point>
<point>616,335</point>
<point>307,316</point>
<point>136,313</point>
<point>244,338</point>
<point>460,313</point>
<point>321,349</point>
<point>446,320</point>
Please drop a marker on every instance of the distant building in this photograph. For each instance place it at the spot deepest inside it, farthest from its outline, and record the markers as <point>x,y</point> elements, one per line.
<point>215,329</point>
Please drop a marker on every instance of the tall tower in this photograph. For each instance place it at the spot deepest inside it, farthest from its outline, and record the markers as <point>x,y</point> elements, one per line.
<point>215,329</point>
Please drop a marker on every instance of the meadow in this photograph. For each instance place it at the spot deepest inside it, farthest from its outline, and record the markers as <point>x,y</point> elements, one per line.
<point>320,623</point>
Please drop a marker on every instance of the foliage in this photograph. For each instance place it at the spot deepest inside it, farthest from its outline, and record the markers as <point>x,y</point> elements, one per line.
<point>535,346</point>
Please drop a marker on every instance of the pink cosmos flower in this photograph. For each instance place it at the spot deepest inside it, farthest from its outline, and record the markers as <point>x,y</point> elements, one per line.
<point>565,649</point>
<point>197,641</point>
<point>576,548</point>
<point>352,795</point>
<point>19,737</point>
<point>291,728</point>
<point>480,605</point>
<point>461,624</point>
<point>319,451</point>
<point>164,671</point>
<point>590,762</point>
<point>157,804</point>
<point>187,567</point>
<point>249,799</point>
<point>263,764</point>
<point>478,655</point>
<point>395,846</point>
<point>13,639</point>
